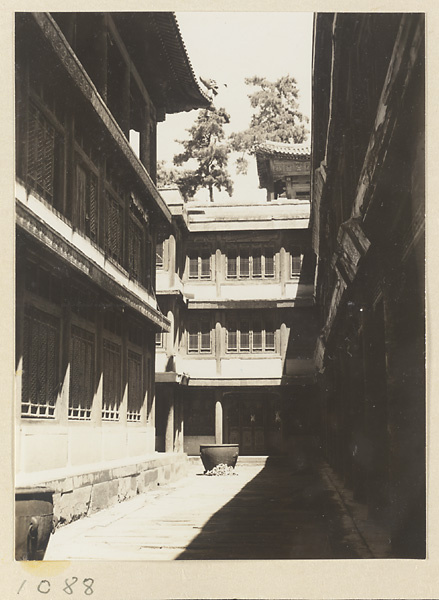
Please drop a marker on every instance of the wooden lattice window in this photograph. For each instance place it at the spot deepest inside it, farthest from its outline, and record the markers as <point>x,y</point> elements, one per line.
<point>135,386</point>
<point>193,266</point>
<point>87,201</point>
<point>159,255</point>
<point>81,374</point>
<point>257,338</point>
<point>112,392</point>
<point>113,227</point>
<point>269,264</point>
<point>45,157</point>
<point>269,339</point>
<point>257,264</point>
<point>135,250</point>
<point>244,264</point>
<point>40,364</point>
<point>205,265</point>
<point>199,337</point>
<point>199,264</point>
<point>296,263</point>
<point>232,339</point>
<point>232,271</point>
<point>242,338</point>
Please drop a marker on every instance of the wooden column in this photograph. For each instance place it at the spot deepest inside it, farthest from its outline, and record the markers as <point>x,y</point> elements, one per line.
<point>145,138</point>
<point>218,342</point>
<point>171,260</point>
<point>66,356</point>
<point>101,57</point>
<point>218,419</point>
<point>124,404</point>
<point>125,101</point>
<point>169,432</point>
<point>218,272</point>
<point>96,411</point>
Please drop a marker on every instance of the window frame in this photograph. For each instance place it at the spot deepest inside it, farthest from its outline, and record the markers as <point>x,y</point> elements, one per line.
<point>57,199</point>
<point>84,409</point>
<point>196,330</point>
<point>244,327</point>
<point>252,256</point>
<point>195,264</point>
<point>84,223</point>
<point>116,200</point>
<point>39,314</point>
<point>109,340</point>
<point>296,253</point>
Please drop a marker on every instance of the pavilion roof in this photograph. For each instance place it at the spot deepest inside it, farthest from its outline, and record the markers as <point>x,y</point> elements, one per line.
<point>175,87</point>
<point>271,150</point>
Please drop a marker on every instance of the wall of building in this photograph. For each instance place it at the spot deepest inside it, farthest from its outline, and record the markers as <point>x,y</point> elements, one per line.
<point>369,236</point>
<point>88,215</point>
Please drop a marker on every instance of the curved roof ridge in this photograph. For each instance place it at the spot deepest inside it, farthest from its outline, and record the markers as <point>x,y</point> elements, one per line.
<point>188,60</point>
<point>270,147</point>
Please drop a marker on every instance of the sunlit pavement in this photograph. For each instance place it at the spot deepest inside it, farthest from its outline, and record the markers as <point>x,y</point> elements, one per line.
<point>271,511</point>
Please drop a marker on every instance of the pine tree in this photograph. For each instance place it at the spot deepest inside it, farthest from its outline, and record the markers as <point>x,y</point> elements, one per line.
<point>276,118</point>
<point>208,148</point>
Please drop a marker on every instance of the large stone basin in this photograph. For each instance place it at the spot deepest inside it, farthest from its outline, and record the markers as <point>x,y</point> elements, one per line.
<point>213,455</point>
<point>33,522</point>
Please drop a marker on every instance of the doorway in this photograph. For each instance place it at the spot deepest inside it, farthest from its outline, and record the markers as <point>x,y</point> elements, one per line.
<point>250,421</point>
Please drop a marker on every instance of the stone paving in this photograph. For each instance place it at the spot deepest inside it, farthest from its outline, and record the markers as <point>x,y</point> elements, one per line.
<point>271,511</point>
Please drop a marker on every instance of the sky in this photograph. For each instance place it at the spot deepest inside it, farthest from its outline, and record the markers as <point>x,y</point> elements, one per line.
<point>227,47</point>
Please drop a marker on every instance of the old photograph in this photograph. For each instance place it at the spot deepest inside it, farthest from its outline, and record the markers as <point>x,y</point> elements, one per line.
<point>220,286</point>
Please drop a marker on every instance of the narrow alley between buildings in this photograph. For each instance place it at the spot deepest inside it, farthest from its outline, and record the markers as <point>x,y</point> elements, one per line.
<point>268,509</point>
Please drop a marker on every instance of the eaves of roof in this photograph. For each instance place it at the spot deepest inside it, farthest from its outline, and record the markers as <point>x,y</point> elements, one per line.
<point>184,91</point>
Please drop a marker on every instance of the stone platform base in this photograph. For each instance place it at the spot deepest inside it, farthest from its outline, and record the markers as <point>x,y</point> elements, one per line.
<point>82,492</point>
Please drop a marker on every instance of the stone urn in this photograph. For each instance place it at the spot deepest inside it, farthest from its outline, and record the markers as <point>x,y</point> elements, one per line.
<point>33,522</point>
<point>213,455</point>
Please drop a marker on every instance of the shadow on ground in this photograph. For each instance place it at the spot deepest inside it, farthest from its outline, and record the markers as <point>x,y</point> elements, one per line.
<point>285,512</point>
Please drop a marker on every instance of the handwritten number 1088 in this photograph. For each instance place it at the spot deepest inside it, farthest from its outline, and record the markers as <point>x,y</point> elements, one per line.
<point>44,587</point>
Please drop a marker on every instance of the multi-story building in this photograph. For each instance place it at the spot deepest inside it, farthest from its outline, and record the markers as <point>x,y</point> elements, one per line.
<point>90,88</point>
<point>368,235</point>
<point>243,276</point>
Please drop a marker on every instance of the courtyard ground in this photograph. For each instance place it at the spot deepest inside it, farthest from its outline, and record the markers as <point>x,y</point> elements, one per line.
<point>268,509</point>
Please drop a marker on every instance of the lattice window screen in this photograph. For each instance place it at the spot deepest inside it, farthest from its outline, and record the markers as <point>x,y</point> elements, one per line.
<point>269,264</point>
<point>40,364</point>
<point>135,386</point>
<point>244,342</point>
<point>93,208</point>
<point>81,374</point>
<point>193,341</point>
<point>244,264</point>
<point>269,339</point>
<point>205,337</point>
<point>257,338</point>
<point>135,250</point>
<point>231,265</point>
<point>205,266</point>
<point>232,339</point>
<point>43,143</point>
<point>296,263</point>
<point>193,266</point>
<point>159,255</point>
<point>257,265</point>
<point>112,392</point>
<point>113,227</point>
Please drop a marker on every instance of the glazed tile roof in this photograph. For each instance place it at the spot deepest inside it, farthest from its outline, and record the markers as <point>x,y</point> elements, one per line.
<point>175,48</point>
<point>154,41</point>
<point>269,150</point>
<point>280,148</point>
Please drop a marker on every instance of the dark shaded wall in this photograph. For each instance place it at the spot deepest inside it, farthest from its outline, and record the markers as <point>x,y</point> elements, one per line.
<point>368,233</point>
